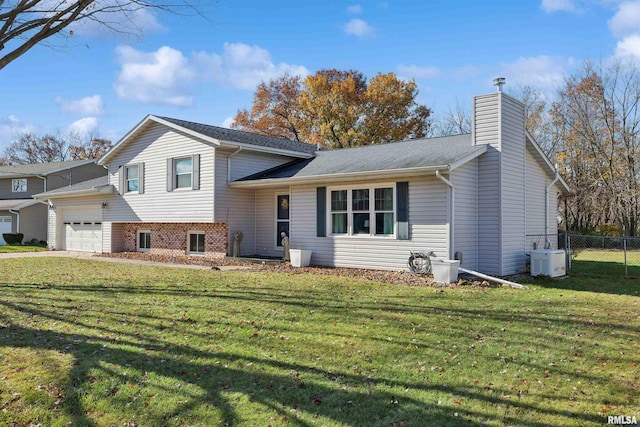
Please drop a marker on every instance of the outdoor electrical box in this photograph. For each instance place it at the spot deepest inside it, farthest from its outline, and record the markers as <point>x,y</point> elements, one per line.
<point>548,262</point>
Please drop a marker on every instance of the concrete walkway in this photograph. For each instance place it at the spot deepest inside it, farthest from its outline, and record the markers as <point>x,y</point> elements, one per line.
<point>90,256</point>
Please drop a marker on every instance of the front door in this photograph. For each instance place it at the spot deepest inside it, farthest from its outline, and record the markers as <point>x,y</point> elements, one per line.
<point>282,217</point>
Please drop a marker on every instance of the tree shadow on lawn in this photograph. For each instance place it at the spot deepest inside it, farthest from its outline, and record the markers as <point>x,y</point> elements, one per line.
<point>134,362</point>
<point>588,276</point>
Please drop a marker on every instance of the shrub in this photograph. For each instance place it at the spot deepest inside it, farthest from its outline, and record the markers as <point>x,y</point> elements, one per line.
<point>13,238</point>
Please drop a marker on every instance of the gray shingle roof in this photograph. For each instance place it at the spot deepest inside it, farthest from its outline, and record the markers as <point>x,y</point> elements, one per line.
<point>101,181</point>
<point>235,135</point>
<point>39,168</point>
<point>417,153</point>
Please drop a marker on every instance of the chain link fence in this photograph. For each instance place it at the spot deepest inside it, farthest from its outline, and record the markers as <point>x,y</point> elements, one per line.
<point>593,255</point>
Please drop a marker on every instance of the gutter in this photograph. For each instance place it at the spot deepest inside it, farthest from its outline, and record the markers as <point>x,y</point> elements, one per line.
<point>546,206</point>
<point>93,190</point>
<point>452,212</point>
<point>338,176</point>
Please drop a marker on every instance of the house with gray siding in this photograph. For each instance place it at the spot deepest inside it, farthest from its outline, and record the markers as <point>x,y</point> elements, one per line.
<point>181,188</point>
<point>19,212</point>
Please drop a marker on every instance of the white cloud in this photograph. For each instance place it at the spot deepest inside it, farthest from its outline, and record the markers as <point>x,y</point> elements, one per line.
<point>226,123</point>
<point>84,126</point>
<point>358,27</point>
<point>11,127</point>
<point>629,47</point>
<point>88,106</point>
<point>354,9</point>
<point>167,76</point>
<point>559,6</point>
<point>540,71</point>
<point>241,66</point>
<point>418,72</point>
<point>626,21</point>
<point>160,77</point>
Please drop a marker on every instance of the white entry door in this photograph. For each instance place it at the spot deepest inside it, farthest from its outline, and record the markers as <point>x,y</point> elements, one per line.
<point>82,229</point>
<point>5,227</point>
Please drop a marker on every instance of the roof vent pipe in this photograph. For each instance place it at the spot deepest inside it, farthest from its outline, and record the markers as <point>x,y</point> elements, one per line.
<point>499,82</point>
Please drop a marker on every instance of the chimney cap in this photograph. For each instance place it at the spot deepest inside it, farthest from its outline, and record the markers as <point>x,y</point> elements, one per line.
<point>498,82</point>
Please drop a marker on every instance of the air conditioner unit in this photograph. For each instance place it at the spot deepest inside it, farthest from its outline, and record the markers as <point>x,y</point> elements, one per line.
<point>548,262</point>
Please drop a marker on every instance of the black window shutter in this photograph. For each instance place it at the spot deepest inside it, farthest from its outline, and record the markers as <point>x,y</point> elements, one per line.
<point>321,211</point>
<point>402,206</point>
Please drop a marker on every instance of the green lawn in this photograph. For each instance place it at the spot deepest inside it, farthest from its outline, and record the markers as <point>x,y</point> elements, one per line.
<point>89,343</point>
<point>605,262</point>
<point>7,249</point>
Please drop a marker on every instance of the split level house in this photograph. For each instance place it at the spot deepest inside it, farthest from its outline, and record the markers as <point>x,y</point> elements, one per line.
<point>181,188</point>
<point>19,212</point>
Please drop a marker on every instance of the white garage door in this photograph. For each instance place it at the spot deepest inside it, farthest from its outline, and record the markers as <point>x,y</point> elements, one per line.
<point>82,229</point>
<point>5,227</point>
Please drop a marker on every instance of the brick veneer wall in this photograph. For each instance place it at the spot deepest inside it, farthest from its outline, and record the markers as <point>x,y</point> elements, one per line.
<point>171,239</point>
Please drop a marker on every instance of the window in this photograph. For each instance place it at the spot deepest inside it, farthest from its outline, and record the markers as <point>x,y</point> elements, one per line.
<point>131,178</point>
<point>196,242</point>
<point>183,172</point>
<point>353,213</point>
<point>144,241</point>
<point>18,185</point>
<point>282,217</point>
<point>183,169</point>
<point>339,212</point>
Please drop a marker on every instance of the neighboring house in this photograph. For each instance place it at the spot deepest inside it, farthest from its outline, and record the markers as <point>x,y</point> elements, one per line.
<point>177,187</point>
<point>19,212</point>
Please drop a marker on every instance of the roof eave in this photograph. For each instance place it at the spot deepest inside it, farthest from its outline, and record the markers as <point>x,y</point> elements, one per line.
<point>350,176</point>
<point>97,190</point>
<point>151,118</point>
<point>262,149</point>
<point>546,160</point>
<point>476,153</point>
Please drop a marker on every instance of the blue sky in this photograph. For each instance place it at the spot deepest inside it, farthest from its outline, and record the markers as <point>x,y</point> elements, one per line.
<point>204,70</point>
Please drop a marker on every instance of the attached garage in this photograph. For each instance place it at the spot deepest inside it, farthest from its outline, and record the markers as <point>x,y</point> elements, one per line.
<point>82,229</point>
<point>5,227</point>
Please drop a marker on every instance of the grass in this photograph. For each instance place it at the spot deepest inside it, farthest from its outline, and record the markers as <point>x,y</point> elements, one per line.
<point>88,343</point>
<point>8,249</point>
<point>606,262</point>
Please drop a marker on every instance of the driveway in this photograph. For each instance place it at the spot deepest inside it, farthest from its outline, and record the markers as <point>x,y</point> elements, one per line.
<point>90,256</point>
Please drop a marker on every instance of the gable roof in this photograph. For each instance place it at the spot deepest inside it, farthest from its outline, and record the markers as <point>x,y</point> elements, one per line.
<point>410,156</point>
<point>43,169</point>
<point>216,135</point>
<point>545,162</point>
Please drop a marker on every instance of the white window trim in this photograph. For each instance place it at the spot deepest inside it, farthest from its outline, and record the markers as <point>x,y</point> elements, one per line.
<point>175,174</point>
<point>189,233</point>
<point>276,220</point>
<point>20,180</point>
<point>372,211</point>
<point>138,240</point>
<point>126,179</point>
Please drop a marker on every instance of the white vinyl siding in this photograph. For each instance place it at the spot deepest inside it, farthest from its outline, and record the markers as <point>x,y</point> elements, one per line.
<point>487,131</point>
<point>239,208</point>
<point>153,147</point>
<point>428,204</point>
<point>513,186</point>
<point>535,189</point>
<point>464,180</point>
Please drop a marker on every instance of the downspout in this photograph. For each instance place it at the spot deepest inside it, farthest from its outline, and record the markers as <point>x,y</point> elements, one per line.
<point>546,207</point>
<point>229,163</point>
<point>452,212</point>
<point>44,178</point>
<point>17,214</point>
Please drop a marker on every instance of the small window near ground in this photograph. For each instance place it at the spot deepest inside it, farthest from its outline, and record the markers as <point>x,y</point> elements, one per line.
<point>144,241</point>
<point>196,242</point>
<point>19,185</point>
<point>132,178</point>
<point>183,170</point>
